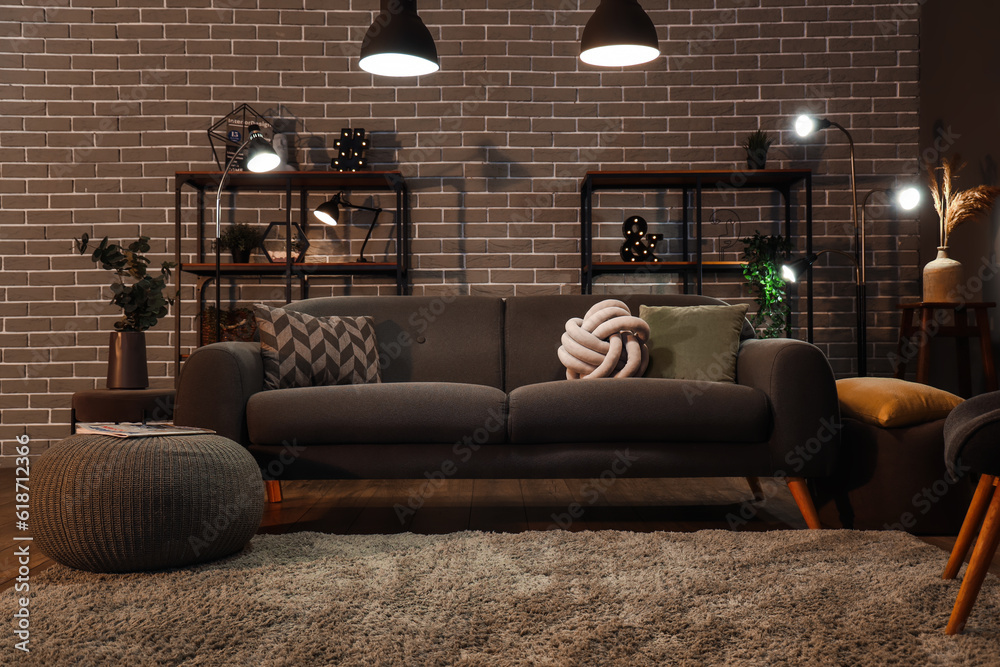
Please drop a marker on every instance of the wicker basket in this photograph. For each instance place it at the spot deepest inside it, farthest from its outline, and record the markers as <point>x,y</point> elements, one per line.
<point>237,324</point>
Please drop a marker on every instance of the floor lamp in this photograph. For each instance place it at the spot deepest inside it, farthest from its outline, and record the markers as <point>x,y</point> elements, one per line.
<point>907,199</point>
<point>805,126</point>
<point>260,157</point>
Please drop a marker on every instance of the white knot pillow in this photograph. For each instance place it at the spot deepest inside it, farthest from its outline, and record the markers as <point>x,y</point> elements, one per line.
<point>608,341</point>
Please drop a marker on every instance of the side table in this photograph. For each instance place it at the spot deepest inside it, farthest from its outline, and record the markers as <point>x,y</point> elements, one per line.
<point>924,320</point>
<point>122,405</point>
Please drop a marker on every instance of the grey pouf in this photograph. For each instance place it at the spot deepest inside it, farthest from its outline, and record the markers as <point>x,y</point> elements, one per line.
<point>108,504</point>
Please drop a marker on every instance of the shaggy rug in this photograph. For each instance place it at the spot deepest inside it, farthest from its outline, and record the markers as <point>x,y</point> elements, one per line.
<point>537,598</point>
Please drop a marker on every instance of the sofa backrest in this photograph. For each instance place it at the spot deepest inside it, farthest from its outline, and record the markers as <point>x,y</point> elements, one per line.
<point>498,342</point>
<point>534,326</point>
<point>428,339</point>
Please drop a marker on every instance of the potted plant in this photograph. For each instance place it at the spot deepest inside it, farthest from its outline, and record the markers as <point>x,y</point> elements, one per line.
<point>756,144</point>
<point>241,239</point>
<point>141,297</point>
<point>762,255</point>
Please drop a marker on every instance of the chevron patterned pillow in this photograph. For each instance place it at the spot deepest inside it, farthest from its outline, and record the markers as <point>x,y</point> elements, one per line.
<point>300,350</point>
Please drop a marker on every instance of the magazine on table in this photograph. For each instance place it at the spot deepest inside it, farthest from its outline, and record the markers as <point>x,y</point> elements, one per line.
<point>137,430</point>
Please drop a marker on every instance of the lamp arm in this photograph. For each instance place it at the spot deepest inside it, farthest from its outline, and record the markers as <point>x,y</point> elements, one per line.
<point>348,204</point>
<point>218,237</point>
<point>864,201</point>
<point>371,227</point>
<point>859,234</point>
<point>222,184</point>
<point>848,255</point>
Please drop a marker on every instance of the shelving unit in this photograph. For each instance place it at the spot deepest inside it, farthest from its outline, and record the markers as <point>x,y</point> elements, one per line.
<point>691,184</point>
<point>290,183</point>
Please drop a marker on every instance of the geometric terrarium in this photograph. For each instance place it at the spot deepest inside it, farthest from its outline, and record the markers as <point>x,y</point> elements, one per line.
<point>275,243</point>
<point>228,134</point>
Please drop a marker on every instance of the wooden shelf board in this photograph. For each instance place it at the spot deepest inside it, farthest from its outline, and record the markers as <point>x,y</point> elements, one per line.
<point>710,178</point>
<point>664,267</point>
<point>299,180</point>
<point>301,268</point>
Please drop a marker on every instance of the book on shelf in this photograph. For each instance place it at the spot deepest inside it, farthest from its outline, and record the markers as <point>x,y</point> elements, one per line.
<point>137,430</point>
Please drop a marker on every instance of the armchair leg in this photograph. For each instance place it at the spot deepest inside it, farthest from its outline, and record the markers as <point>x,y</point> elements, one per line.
<point>980,501</point>
<point>755,488</point>
<point>272,487</point>
<point>800,491</point>
<point>982,555</point>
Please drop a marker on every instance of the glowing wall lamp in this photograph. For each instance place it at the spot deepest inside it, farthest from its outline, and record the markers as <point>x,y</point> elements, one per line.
<point>398,43</point>
<point>619,34</point>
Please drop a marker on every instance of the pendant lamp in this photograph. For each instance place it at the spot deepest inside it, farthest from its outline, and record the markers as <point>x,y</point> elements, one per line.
<point>398,43</point>
<point>619,34</point>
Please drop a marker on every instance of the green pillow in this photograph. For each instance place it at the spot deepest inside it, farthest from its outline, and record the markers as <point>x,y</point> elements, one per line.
<point>693,342</point>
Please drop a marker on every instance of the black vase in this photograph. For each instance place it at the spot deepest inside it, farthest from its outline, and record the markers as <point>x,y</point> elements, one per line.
<point>756,159</point>
<point>127,360</point>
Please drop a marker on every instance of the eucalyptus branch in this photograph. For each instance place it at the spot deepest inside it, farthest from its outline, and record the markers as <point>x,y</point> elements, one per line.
<point>143,302</point>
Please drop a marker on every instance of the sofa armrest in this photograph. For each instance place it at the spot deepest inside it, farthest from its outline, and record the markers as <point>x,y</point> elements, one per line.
<point>215,384</point>
<point>802,392</point>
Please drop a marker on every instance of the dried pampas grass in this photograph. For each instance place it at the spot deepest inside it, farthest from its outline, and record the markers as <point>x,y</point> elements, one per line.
<point>953,206</point>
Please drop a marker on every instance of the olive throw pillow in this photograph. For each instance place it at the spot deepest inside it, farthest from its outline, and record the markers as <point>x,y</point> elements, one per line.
<point>300,350</point>
<point>693,342</point>
<point>892,403</point>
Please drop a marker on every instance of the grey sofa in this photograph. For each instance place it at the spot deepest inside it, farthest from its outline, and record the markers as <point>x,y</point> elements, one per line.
<point>472,388</point>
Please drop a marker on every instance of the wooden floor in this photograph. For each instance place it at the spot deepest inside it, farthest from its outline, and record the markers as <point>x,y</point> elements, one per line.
<point>395,506</point>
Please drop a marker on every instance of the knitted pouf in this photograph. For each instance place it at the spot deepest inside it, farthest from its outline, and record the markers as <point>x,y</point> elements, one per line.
<point>108,504</point>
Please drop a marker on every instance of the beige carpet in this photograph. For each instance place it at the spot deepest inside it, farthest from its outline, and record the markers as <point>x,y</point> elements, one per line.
<point>540,598</point>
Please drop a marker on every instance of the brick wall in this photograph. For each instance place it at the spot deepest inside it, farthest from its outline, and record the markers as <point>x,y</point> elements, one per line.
<point>102,104</point>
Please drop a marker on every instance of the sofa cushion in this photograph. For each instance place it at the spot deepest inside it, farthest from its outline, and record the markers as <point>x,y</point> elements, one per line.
<point>428,338</point>
<point>535,324</point>
<point>893,403</point>
<point>399,412</point>
<point>300,350</point>
<point>638,410</point>
<point>694,342</point>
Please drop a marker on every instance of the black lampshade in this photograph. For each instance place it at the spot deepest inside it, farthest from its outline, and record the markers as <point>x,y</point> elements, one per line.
<point>398,43</point>
<point>619,34</point>
<point>328,212</point>
<point>260,155</point>
<point>792,270</point>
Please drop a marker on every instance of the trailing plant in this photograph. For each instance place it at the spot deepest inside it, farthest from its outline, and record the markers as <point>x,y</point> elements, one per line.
<point>956,206</point>
<point>142,301</point>
<point>756,144</point>
<point>763,255</point>
<point>241,236</point>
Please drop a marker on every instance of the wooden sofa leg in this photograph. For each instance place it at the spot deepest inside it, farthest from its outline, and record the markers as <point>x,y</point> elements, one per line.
<point>980,501</point>
<point>982,556</point>
<point>273,489</point>
<point>800,491</point>
<point>755,488</point>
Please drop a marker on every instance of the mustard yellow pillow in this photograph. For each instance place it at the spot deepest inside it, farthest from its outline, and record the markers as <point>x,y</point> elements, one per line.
<point>892,403</point>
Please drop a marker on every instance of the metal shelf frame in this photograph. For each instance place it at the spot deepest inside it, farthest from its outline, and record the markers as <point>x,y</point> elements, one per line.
<point>289,183</point>
<point>691,184</point>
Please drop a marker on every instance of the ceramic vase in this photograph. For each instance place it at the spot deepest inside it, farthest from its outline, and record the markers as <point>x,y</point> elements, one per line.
<point>127,360</point>
<point>942,276</point>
